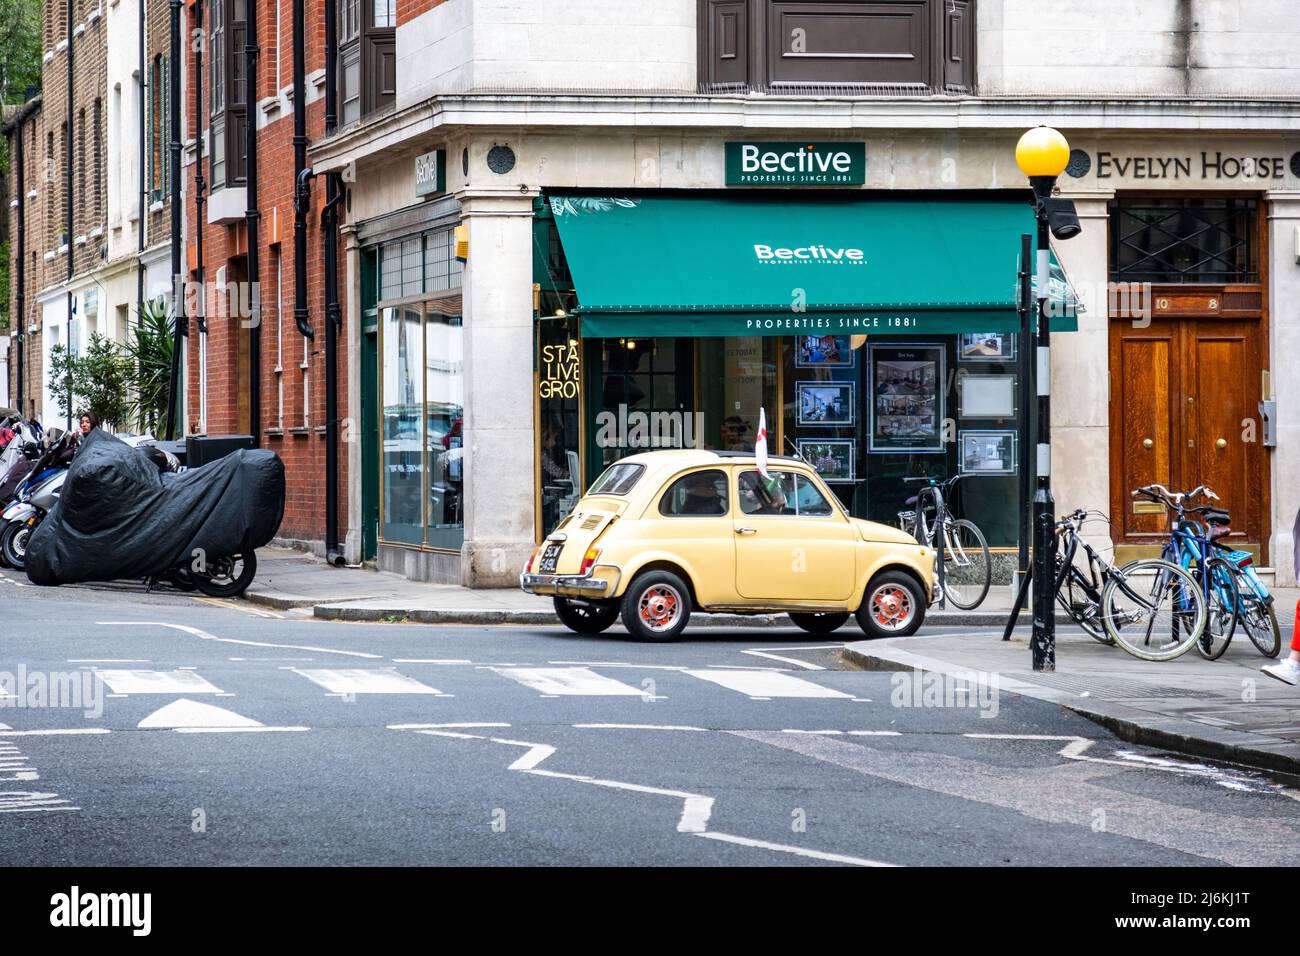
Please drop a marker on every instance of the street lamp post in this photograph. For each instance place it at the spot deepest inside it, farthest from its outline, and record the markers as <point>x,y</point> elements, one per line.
<point>1042,155</point>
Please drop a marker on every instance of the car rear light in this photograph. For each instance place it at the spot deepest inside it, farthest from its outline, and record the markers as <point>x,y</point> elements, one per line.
<point>588,560</point>
<point>531,559</point>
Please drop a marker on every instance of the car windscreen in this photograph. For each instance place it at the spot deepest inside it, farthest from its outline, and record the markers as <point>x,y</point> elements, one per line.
<point>617,479</point>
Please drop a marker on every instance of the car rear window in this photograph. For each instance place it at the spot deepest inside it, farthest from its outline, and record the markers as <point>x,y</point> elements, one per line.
<point>617,479</point>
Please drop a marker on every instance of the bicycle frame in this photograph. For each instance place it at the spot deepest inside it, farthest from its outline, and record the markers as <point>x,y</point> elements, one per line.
<point>1187,549</point>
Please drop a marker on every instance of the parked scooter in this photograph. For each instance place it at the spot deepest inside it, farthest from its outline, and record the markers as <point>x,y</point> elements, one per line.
<point>34,497</point>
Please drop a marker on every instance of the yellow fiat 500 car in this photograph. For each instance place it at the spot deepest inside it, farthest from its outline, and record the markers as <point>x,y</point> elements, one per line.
<point>665,534</point>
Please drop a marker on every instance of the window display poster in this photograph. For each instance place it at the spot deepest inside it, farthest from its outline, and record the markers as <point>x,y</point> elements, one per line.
<point>833,458</point>
<point>987,452</point>
<point>907,397</point>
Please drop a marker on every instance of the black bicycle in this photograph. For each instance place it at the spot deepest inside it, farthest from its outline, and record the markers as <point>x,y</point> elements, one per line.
<point>1152,608</point>
<point>967,570</point>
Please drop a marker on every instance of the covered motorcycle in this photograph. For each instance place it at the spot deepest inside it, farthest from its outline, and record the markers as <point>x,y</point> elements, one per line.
<point>118,517</point>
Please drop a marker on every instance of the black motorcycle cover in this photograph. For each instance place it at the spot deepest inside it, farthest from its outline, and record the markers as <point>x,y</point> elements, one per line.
<point>118,517</point>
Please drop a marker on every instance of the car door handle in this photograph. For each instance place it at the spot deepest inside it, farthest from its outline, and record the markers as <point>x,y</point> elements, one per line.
<point>746,531</point>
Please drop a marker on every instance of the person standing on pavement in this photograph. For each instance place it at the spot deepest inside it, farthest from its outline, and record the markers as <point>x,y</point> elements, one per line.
<point>1288,669</point>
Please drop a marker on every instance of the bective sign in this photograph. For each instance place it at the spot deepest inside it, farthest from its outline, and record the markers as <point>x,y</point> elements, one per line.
<point>431,173</point>
<point>796,164</point>
<point>829,255</point>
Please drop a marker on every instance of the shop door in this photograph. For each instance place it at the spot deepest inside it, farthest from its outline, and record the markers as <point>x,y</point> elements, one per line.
<point>1184,412</point>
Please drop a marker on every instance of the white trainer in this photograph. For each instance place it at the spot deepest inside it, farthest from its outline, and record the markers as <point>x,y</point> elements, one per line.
<point>1287,671</point>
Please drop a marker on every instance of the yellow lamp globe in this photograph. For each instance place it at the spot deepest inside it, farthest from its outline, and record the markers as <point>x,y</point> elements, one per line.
<point>1042,151</point>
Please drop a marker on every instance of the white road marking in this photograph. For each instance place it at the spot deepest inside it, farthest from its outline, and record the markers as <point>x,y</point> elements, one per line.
<point>767,684</point>
<point>536,753</point>
<point>420,660</point>
<point>450,733</point>
<point>57,732</point>
<point>204,635</point>
<point>239,606</point>
<point>645,667</point>
<point>875,733</point>
<point>366,681</point>
<point>109,660</point>
<point>637,727</point>
<point>156,682</point>
<point>241,730</point>
<point>26,801</point>
<point>192,713</point>
<point>569,681</point>
<point>795,850</point>
<point>463,726</point>
<point>786,660</point>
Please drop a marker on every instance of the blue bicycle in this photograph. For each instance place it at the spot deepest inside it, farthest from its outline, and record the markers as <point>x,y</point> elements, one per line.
<point>1234,591</point>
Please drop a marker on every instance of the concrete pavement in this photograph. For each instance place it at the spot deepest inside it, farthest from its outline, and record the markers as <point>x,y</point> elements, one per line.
<point>1224,709</point>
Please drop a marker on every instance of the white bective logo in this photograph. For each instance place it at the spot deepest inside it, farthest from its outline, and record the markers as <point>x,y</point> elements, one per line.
<point>753,160</point>
<point>832,255</point>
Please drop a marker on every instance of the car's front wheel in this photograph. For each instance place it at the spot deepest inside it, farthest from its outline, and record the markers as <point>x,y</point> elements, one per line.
<point>585,618</point>
<point>819,623</point>
<point>893,605</point>
<point>656,607</point>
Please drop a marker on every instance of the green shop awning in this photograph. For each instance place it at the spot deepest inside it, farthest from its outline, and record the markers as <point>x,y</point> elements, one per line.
<point>714,266</point>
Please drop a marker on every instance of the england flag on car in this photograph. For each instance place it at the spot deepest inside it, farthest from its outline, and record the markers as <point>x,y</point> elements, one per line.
<point>760,444</point>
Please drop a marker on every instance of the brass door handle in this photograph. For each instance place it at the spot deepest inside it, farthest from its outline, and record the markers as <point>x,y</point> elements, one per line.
<point>1148,444</point>
<point>1221,443</point>
<point>746,531</point>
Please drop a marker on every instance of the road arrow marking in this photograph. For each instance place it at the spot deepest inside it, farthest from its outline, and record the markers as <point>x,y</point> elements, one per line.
<point>205,636</point>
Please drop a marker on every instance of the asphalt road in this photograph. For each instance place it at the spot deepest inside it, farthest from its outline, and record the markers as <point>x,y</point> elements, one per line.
<point>175,730</point>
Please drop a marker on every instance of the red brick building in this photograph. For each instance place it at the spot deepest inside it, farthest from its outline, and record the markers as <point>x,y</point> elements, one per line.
<point>282,396</point>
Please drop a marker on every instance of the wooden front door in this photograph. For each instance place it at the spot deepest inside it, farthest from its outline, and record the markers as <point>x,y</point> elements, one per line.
<point>1185,393</point>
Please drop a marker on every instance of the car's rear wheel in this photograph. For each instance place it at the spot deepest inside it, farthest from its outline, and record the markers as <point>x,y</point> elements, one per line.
<point>656,607</point>
<point>585,618</point>
<point>893,606</point>
<point>819,623</point>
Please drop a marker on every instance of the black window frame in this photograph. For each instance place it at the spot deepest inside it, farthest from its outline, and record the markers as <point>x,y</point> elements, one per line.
<point>737,50</point>
<point>228,101</point>
<point>370,50</point>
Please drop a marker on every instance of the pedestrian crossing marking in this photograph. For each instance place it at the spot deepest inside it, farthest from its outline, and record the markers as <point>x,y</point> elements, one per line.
<point>569,681</point>
<point>192,713</point>
<point>129,682</point>
<point>767,684</point>
<point>366,681</point>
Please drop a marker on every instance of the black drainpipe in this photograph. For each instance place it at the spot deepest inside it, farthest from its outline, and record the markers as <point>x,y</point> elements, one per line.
<point>144,190</point>
<point>67,182</point>
<point>333,317</point>
<point>178,276</point>
<point>301,174</point>
<point>252,216</point>
<point>200,184</point>
<point>21,326</point>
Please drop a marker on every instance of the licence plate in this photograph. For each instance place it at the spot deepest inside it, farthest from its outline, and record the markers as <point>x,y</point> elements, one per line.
<point>550,557</point>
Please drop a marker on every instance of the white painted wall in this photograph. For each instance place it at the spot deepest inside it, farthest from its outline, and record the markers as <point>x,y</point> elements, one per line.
<point>1139,47</point>
<point>122,20</point>
<point>547,45</point>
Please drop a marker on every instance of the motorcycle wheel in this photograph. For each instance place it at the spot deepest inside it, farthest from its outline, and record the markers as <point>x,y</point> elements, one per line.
<point>227,577</point>
<point>13,545</point>
<point>3,528</point>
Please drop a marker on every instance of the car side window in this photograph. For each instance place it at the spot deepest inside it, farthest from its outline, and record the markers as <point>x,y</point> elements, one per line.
<point>699,494</point>
<point>783,493</point>
<point>774,495</point>
<point>808,500</point>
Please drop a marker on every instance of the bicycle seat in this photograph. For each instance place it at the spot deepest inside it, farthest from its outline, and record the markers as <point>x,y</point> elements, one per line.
<point>911,502</point>
<point>1217,516</point>
<point>1218,531</point>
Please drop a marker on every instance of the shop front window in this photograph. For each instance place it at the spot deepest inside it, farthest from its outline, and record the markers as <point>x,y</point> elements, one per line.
<point>444,418</point>
<point>738,376</point>
<point>559,396</point>
<point>646,399</point>
<point>403,409</point>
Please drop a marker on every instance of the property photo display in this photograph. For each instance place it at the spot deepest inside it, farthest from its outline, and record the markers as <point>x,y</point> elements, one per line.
<point>825,403</point>
<point>833,458</point>
<point>907,399</point>
<point>823,351</point>
<point>987,452</point>
<point>986,396</point>
<point>986,346</point>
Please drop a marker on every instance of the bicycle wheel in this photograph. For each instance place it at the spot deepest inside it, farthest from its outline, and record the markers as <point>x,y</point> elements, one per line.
<point>1260,621</point>
<point>1221,614</point>
<point>1081,608</point>
<point>967,568</point>
<point>1153,609</point>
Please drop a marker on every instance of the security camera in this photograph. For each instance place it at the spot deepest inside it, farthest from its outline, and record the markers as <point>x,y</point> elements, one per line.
<point>1062,218</point>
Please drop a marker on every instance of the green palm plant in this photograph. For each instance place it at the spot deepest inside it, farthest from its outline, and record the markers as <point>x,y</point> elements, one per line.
<point>149,349</point>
